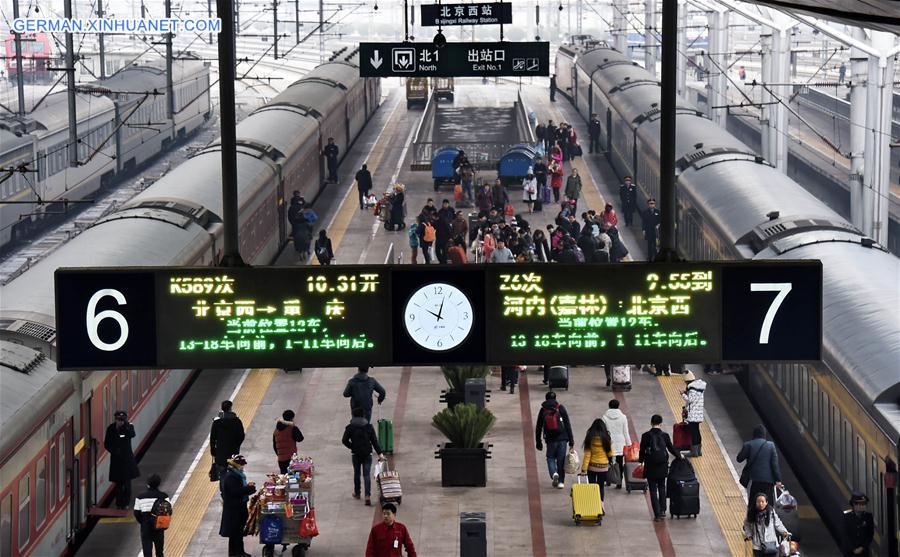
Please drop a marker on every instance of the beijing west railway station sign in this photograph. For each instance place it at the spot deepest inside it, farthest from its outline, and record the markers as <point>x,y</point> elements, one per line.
<point>492,13</point>
<point>344,316</point>
<point>473,59</point>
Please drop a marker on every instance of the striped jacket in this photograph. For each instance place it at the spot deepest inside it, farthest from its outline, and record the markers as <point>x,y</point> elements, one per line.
<point>143,504</point>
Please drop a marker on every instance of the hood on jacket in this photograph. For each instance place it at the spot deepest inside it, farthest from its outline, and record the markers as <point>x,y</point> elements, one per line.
<point>697,385</point>
<point>359,421</point>
<point>614,414</point>
<point>281,425</point>
<point>362,377</point>
<point>548,404</point>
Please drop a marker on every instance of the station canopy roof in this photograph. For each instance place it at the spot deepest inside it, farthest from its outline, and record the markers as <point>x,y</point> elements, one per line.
<point>880,15</point>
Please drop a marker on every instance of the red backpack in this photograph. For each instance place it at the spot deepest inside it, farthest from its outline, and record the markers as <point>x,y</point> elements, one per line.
<point>551,419</point>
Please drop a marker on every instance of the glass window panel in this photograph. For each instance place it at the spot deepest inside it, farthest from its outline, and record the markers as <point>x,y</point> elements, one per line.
<point>54,474</point>
<point>6,526</point>
<point>24,510</point>
<point>40,492</point>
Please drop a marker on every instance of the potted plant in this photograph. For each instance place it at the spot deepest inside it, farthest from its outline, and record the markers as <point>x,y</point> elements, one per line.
<point>464,456</point>
<point>456,379</point>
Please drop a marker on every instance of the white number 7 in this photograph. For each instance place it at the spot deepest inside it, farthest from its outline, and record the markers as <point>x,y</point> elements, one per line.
<point>782,288</point>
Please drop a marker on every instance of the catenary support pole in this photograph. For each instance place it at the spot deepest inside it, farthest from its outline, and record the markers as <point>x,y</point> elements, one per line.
<point>650,32</point>
<point>321,31</point>
<point>681,63</point>
<point>20,77</point>
<point>275,26</point>
<point>858,77</point>
<point>669,57</point>
<point>170,94</point>
<point>100,42</point>
<point>297,21</point>
<point>70,89</point>
<point>232,254</point>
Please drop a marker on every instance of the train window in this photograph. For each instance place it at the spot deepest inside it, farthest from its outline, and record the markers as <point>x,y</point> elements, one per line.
<point>61,469</point>
<point>135,388</point>
<point>836,437</point>
<point>145,382</point>
<point>24,510</point>
<point>847,453</point>
<point>106,411</point>
<point>814,423</point>
<point>6,526</point>
<point>824,423</point>
<point>859,466</point>
<point>114,397</point>
<point>40,492</point>
<point>876,481</point>
<point>54,474</point>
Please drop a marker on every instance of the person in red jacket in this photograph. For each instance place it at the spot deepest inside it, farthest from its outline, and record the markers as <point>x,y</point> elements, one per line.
<point>388,537</point>
<point>285,439</point>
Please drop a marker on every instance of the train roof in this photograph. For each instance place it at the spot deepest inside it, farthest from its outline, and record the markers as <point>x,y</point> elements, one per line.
<point>23,372</point>
<point>10,141</point>
<point>149,76</point>
<point>53,114</point>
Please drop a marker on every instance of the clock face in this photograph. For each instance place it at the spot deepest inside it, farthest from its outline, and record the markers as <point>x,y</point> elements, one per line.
<point>438,316</point>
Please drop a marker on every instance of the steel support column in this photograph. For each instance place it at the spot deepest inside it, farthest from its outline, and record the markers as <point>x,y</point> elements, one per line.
<point>669,56</point>
<point>766,116</point>
<point>780,74</point>
<point>20,74</point>
<point>228,141</point>
<point>718,53</point>
<point>650,32</point>
<point>70,89</point>
<point>620,32</point>
<point>858,78</point>
<point>878,129</point>
<point>681,62</point>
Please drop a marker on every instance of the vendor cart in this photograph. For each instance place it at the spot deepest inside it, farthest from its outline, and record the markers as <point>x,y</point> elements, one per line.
<point>289,507</point>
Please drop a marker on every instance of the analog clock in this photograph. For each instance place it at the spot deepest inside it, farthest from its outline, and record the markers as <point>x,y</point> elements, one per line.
<point>438,316</point>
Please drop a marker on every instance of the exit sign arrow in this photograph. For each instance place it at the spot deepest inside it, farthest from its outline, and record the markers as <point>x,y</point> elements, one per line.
<point>375,60</point>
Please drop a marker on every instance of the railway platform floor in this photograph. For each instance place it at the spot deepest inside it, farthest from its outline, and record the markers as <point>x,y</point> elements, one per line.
<point>525,515</point>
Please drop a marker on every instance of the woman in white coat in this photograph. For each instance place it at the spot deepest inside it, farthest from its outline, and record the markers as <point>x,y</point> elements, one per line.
<point>529,190</point>
<point>617,423</point>
<point>693,398</point>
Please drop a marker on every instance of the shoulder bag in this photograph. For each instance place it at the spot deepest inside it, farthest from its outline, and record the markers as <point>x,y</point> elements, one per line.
<point>745,473</point>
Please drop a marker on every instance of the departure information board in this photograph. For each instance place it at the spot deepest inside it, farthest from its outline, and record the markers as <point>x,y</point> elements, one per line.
<point>344,316</point>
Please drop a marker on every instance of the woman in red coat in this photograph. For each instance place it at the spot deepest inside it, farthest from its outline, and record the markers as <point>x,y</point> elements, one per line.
<point>556,176</point>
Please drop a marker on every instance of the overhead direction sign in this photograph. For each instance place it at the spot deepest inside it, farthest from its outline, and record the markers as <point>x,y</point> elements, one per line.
<point>344,316</point>
<point>484,13</point>
<point>476,59</point>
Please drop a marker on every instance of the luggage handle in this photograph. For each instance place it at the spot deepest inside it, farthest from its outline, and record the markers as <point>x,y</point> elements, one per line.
<point>579,476</point>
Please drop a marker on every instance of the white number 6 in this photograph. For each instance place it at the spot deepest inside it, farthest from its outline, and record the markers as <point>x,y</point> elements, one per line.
<point>93,320</point>
<point>782,288</point>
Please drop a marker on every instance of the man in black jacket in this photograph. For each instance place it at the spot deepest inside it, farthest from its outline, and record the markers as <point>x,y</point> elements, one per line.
<point>859,527</point>
<point>628,199</point>
<point>331,152</point>
<point>650,225</point>
<point>122,466</point>
<point>594,133</point>
<point>359,390</point>
<point>225,437</point>
<point>655,444</point>
<point>363,185</point>
<point>360,438</point>
<point>553,422</point>
<point>143,505</point>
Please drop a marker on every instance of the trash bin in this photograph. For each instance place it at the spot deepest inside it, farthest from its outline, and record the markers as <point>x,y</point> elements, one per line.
<point>472,535</point>
<point>475,390</point>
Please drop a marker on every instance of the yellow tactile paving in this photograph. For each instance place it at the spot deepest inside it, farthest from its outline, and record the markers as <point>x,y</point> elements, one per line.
<point>725,497</point>
<point>199,491</point>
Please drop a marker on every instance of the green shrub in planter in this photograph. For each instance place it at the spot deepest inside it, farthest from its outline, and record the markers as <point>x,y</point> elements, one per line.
<point>456,375</point>
<point>464,425</point>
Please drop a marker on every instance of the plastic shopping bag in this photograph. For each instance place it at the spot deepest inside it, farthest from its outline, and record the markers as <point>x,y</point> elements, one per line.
<point>308,528</point>
<point>573,463</point>
<point>378,468</point>
<point>784,501</point>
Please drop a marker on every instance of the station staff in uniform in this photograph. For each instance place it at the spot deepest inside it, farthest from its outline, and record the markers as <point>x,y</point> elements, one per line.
<point>859,527</point>
<point>122,466</point>
<point>331,153</point>
<point>388,537</point>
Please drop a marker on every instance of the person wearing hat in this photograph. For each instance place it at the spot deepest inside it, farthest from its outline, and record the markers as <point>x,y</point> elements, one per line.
<point>530,190</point>
<point>122,466</point>
<point>388,538</point>
<point>236,491</point>
<point>693,409</point>
<point>859,527</point>
<point>331,152</point>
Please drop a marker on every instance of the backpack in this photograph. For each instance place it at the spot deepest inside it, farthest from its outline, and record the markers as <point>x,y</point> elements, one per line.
<point>161,512</point>
<point>321,249</point>
<point>551,420</point>
<point>360,441</point>
<point>656,452</point>
<point>429,234</point>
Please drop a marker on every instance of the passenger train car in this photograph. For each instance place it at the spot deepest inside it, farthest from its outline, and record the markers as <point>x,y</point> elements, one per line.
<point>53,468</point>
<point>122,122</point>
<point>36,58</point>
<point>838,422</point>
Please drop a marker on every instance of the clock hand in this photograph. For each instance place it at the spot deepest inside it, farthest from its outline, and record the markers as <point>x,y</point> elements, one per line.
<point>441,310</point>
<point>434,314</point>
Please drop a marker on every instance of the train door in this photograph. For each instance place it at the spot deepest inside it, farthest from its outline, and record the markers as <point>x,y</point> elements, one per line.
<point>87,453</point>
<point>608,129</point>
<point>322,175</point>
<point>575,87</point>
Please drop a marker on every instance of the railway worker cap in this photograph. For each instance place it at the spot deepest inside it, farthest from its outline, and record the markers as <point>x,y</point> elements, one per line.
<point>689,376</point>
<point>121,415</point>
<point>237,460</point>
<point>858,498</point>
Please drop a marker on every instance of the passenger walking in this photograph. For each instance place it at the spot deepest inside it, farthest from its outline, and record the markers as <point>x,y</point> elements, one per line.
<point>509,375</point>
<point>556,176</point>
<point>628,199</point>
<point>359,437</point>
<point>501,254</point>
<point>539,132</point>
<point>762,526</point>
<point>459,227</point>
<point>236,491</point>
<point>484,199</point>
<point>553,88</point>
<point>859,528</point>
<point>285,439</point>
<point>594,133</point>
<point>762,472</point>
<point>301,229</point>
<point>398,208</point>
<point>742,73</point>
<point>457,253</point>
<point>147,506</point>
<point>529,190</point>
<point>499,196</point>
<point>617,423</point>
<point>413,235</point>
<point>363,185</point>
<point>654,455</point>
<point>554,427</point>
<point>540,174</point>
<point>598,454</point>
<point>225,437</point>
<point>442,235</point>
<point>122,466</point>
<point>324,251</point>
<point>331,153</point>
<point>549,137</point>
<point>573,189</point>
<point>388,538</point>
<point>650,224</point>
<point>360,389</point>
<point>427,236</point>
<point>693,398</point>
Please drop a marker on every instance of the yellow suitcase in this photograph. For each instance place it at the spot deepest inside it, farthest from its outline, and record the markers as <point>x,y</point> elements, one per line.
<point>587,507</point>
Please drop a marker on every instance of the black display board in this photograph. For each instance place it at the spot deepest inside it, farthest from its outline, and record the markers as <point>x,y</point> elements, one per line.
<point>473,59</point>
<point>482,13</point>
<point>344,316</point>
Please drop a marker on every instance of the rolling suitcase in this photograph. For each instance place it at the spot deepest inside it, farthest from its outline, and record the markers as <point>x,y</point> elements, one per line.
<point>385,434</point>
<point>389,486</point>
<point>621,378</point>
<point>632,483</point>
<point>538,204</point>
<point>681,437</point>
<point>685,499</point>
<point>587,507</point>
<point>558,377</point>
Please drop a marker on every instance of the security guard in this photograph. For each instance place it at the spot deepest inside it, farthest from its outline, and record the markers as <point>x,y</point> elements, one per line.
<point>859,527</point>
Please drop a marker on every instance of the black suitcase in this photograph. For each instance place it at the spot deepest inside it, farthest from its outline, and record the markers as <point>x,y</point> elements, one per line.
<point>685,499</point>
<point>558,377</point>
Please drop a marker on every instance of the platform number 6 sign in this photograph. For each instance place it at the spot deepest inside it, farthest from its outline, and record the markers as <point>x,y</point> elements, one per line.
<point>783,288</point>
<point>93,319</point>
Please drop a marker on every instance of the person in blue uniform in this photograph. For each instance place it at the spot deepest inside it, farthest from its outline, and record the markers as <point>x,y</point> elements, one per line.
<point>859,527</point>
<point>122,466</point>
<point>650,224</point>
<point>331,153</point>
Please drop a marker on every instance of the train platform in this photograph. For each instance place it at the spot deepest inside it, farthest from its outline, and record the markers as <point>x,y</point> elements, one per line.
<point>525,515</point>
